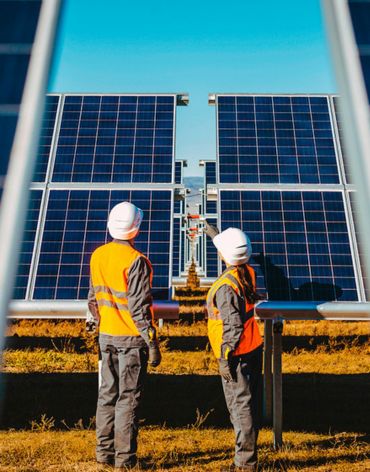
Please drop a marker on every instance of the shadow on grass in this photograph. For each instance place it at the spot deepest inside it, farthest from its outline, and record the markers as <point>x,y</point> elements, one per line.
<point>312,402</point>
<point>188,343</point>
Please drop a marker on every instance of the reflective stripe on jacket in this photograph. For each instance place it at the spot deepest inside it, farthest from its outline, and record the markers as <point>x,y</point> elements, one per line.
<point>231,323</point>
<point>121,313</point>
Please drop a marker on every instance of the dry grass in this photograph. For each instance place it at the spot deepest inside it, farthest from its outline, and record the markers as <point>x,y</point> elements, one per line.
<point>350,360</point>
<point>53,328</point>
<point>191,449</point>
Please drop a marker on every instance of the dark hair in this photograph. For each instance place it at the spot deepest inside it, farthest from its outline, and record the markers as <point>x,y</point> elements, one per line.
<point>249,290</point>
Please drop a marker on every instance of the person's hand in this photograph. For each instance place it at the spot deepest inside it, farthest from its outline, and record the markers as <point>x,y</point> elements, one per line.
<point>210,230</point>
<point>224,369</point>
<point>90,326</point>
<point>155,356</point>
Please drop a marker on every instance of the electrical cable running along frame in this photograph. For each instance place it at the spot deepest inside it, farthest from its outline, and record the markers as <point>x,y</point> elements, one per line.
<point>96,151</point>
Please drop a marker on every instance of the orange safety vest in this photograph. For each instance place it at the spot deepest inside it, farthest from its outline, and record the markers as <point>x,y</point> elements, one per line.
<point>110,265</point>
<point>250,338</point>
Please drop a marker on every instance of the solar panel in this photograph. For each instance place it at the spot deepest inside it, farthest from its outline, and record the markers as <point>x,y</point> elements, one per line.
<point>211,258</point>
<point>275,139</point>
<point>360,14</point>
<point>301,247</point>
<point>28,243</point>
<point>210,178</point>
<point>116,138</point>
<point>18,22</point>
<point>46,137</point>
<point>182,251</point>
<point>176,247</point>
<point>352,196</point>
<point>76,224</point>
<point>178,172</point>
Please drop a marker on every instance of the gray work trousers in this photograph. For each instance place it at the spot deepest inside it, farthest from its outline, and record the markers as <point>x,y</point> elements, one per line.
<point>243,399</point>
<point>123,371</point>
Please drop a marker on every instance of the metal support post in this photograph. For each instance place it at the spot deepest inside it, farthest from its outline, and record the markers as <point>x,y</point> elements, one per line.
<point>267,372</point>
<point>278,384</point>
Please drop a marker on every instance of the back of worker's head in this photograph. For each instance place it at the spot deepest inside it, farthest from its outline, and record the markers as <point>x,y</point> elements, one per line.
<point>234,245</point>
<point>124,221</point>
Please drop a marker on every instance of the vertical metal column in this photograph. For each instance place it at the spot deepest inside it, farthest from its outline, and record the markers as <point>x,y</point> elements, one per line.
<point>267,372</point>
<point>278,384</point>
<point>23,155</point>
<point>355,107</point>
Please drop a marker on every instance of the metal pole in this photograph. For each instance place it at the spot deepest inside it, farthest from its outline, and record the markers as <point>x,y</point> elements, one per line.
<point>23,155</point>
<point>267,372</point>
<point>75,309</point>
<point>278,384</point>
<point>355,106</point>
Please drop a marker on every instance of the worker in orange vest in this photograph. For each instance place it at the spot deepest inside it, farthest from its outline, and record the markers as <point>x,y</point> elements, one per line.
<point>236,342</point>
<point>121,303</point>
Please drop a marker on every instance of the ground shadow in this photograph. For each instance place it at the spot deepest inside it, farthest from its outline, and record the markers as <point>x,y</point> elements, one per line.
<point>312,402</point>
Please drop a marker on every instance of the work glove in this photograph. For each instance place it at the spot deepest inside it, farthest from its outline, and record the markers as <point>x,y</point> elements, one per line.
<point>224,369</point>
<point>155,356</point>
<point>90,324</point>
<point>210,230</point>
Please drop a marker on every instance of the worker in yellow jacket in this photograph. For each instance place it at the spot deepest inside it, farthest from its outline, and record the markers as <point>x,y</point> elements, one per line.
<point>236,342</point>
<point>120,301</point>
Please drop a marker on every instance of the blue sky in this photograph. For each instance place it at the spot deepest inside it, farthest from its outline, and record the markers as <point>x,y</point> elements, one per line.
<point>196,47</point>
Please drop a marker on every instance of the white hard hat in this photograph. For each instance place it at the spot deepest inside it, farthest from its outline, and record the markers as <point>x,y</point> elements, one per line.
<point>124,221</point>
<point>234,246</point>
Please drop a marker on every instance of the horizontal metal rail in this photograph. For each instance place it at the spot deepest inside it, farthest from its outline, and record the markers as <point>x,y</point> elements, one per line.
<point>331,311</point>
<point>75,309</point>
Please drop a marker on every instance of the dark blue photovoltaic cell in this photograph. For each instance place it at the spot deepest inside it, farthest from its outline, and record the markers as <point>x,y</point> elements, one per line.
<point>76,224</point>
<point>116,139</point>
<point>360,14</point>
<point>178,205</point>
<point>279,139</point>
<point>176,248</point>
<point>210,178</point>
<point>211,254</point>
<point>352,196</point>
<point>210,171</point>
<point>28,242</point>
<point>7,127</point>
<point>301,248</point>
<point>178,172</point>
<point>182,251</point>
<point>47,131</point>
<point>18,22</point>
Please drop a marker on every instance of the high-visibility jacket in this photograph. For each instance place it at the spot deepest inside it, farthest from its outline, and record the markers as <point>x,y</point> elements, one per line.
<point>250,337</point>
<point>110,266</point>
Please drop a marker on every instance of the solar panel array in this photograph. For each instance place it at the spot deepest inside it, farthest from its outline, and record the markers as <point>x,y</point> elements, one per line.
<point>210,179</point>
<point>280,139</point>
<point>294,201</point>
<point>360,14</point>
<point>76,184</point>
<point>300,241</point>
<point>116,139</point>
<point>18,22</point>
